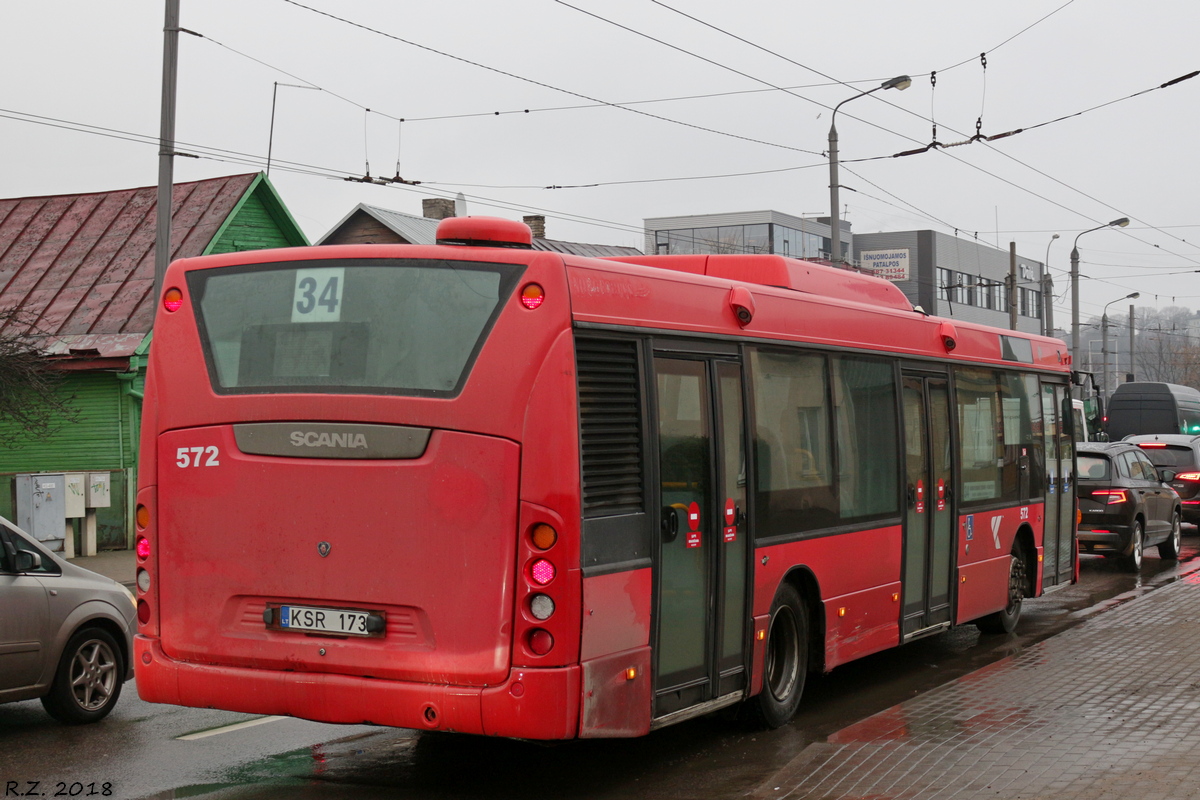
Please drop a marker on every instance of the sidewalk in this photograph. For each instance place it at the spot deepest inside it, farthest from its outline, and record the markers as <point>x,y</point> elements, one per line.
<point>116,564</point>
<point>1107,710</point>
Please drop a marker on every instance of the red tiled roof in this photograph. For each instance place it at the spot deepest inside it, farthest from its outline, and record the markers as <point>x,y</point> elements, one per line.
<point>83,264</point>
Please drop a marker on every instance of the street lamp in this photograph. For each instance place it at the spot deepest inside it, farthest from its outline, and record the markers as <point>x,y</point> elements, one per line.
<point>1116,223</point>
<point>835,228</point>
<point>1104,343</point>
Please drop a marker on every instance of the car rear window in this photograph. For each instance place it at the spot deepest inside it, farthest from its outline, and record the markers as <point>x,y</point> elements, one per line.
<point>1170,456</point>
<point>1094,468</point>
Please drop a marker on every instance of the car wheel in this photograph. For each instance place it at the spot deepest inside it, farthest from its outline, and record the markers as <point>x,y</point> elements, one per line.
<point>1133,561</point>
<point>1170,548</point>
<point>1006,621</point>
<point>786,663</point>
<point>88,680</point>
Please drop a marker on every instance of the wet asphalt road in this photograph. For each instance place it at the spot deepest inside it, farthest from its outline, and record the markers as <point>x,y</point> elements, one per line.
<point>136,752</point>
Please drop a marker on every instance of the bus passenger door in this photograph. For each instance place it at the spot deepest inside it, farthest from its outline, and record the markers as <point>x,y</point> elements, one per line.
<point>929,519</point>
<point>701,558</point>
<point>1058,540</point>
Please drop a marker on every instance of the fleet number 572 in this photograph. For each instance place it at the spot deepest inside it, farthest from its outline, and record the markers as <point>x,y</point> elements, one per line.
<point>197,456</point>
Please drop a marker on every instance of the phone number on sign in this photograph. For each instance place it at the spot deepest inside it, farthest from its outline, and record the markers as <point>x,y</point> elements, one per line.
<point>57,789</point>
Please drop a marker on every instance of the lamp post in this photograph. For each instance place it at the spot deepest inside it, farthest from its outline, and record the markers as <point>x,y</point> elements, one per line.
<point>1104,343</point>
<point>1047,293</point>
<point>1116,223</point>
<point>835,228</point>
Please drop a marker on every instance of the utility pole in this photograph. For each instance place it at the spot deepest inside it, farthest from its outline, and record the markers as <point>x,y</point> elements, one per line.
<point>1131,370</point>
<point>1012,286</point>
<point>166,147</point>
<point>1048,303</point>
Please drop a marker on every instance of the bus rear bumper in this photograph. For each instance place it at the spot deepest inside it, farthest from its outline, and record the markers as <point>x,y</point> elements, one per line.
<point>532,704</point>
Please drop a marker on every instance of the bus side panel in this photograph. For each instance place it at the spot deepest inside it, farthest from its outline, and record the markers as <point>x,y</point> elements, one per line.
<point>985,545</point>
<point>858,572</point>
<point>617,695</point>
<point>616,639</point>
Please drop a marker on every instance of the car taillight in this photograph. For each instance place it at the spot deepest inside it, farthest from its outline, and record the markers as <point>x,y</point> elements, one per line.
<point>1152,444</point>
<point>1110,496</point>
<point>1188,476</point>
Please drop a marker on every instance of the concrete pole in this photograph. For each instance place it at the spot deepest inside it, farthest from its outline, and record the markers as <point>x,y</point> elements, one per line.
<point>166,147</point>
<point>1012,281</point>
<point>1048,304</point>
<point>1104,360</point>
<point>835,226</point>
<point>1075,303</point>
<point>1131,368</point>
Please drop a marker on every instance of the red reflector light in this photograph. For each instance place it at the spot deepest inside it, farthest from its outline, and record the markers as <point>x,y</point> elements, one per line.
<point>1111,496</point>
<point>540,641</point>
<point>542,572</point>
<point>143,548</point>
<point>172,300</point>
<point>532,296</point>
<point>1188,476</point>
<point>143,611</point>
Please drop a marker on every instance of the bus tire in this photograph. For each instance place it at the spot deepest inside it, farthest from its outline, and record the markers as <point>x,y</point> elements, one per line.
<point>1005,621</point>
<point>785,666</point>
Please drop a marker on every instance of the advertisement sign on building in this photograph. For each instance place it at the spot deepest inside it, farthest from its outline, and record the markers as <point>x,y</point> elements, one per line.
<point>889,264</point>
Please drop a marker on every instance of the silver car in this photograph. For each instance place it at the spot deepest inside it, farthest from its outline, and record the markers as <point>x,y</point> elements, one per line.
<point>66,634</point>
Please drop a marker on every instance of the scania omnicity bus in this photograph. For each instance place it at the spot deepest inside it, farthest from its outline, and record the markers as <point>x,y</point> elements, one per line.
<point>481,488</point>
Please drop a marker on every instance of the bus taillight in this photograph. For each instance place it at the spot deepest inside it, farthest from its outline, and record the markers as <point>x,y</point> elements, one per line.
<point>143,611</point>
<point>543,536</point>
<point>532,296</point>
<point>172,299</point>
<point>540,641</point>
<point>541,606</point>
<point>541,571</point>
<point>142,548</point>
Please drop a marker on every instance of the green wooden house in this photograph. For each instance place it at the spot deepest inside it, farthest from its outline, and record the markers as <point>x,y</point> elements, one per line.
<point>83,264</point>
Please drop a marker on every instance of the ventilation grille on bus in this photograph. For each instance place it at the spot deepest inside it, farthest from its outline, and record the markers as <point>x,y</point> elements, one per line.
<point>611,426</point>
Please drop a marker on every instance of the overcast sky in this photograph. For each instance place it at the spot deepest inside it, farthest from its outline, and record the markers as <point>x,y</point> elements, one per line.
<point>665,105</point>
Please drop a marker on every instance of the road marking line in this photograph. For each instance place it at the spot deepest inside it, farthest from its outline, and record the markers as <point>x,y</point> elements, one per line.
<point>237,726</point>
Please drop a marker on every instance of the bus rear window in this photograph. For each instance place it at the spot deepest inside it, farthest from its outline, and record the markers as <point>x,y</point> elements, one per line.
<point>408,327</point>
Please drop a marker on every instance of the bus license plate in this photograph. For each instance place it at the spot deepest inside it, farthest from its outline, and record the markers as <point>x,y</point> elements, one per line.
<point>340,621</point>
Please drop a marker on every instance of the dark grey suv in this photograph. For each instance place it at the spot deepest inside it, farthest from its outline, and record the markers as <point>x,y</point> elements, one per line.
<point>1125,504</point>
<point>1180,453</point>
<point>66,634</point>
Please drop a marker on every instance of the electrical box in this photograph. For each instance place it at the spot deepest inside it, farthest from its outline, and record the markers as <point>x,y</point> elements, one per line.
<point>73,494</point>
<point>41,507</point>
<point>99,490</point>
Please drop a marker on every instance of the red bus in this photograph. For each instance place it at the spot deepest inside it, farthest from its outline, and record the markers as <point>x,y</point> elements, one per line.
<point>481,488</point>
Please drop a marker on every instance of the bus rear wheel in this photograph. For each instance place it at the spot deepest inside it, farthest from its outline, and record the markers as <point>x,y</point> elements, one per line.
<point>786,664</point>
<point>1006,621</point>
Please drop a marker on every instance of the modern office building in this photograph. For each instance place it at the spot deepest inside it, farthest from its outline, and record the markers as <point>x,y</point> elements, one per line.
<point>956,277</point>
<point>743,232</point>
<point>948,276</point>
